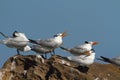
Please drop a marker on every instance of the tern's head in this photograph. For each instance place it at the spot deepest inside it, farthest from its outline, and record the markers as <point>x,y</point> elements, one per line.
<point>21,35</point>
<point>15,33</point>
<point>91,42</point>
<point>18,34</point>
<point>61,34</point>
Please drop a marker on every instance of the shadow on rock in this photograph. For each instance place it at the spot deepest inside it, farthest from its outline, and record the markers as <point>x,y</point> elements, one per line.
<point>82,69</point>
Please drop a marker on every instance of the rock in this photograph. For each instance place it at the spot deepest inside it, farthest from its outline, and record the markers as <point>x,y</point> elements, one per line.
<point>31,67</point>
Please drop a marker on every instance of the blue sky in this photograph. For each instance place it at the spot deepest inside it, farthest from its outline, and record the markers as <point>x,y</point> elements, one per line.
<point>92,20</point>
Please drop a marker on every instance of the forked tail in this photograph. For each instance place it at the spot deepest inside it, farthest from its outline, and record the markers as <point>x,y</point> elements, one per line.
<point>33,41</point>
<point>3,35</point>
<point>104,59</point>
<point>66,49</point>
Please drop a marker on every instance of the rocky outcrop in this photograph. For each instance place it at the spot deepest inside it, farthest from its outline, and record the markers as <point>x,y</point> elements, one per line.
<point>32,67</point>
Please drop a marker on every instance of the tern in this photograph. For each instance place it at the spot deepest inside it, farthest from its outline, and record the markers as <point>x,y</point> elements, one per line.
<point>51,43</point>
<point>81,49</point>
<point>18,41</point>
<point>83,60</point>
<point>114,61</point>
<point>40,50</point>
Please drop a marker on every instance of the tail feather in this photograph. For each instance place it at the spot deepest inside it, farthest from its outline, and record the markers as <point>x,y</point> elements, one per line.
<point>104,59</point>
<point>3,35</point>
<point>66,49</point>
<point>33,41</point>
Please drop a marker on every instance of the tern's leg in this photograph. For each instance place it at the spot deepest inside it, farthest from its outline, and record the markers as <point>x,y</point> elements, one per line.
<point>53,52</point>
<point>18,52</point>
<point>45,55</point>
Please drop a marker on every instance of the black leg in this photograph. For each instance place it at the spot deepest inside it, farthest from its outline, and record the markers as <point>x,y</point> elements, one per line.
<point>18,53</point>
<point>45,55</point>
<point>53,52</point>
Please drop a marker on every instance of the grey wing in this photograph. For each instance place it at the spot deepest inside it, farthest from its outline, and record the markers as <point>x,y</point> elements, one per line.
<point>76,51</point>
<point>40,49</point>
<point>15,43</point>
<point>80,49</point>
<point>49,43</point>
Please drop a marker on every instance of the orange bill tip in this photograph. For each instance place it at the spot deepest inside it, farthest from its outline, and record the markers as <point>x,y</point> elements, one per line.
<point>64,34</point>
<point>95,43</point>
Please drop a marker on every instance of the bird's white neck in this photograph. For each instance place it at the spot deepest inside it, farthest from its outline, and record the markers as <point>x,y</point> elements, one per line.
<point>92,56</point>
<point>58,39</point>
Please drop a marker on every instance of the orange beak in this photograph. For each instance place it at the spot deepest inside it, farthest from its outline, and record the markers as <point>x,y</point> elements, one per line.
<point>95,43</point>
<point>64,34</point>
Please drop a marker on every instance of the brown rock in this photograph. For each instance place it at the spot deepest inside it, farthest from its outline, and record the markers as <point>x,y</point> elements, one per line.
<point>30,67</point>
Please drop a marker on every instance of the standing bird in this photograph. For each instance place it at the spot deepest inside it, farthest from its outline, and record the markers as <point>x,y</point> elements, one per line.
<point>18,41</point>
<point>81,49</point>
<point>51,43</point>
<point>114,61</point>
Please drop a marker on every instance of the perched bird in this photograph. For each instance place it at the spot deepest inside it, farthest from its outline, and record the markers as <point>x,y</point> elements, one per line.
<point>18,41</point>
<point>83,60</point>
<point>51,43</point>
<point>114,61</point>
<point>81,49</point>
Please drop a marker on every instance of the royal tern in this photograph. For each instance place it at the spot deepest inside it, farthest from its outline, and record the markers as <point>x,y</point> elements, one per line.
<point>51,43</point>
<point>18,41</point>
<point>81,49</point>
<point>114,61</point>
<point>83,60</point>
